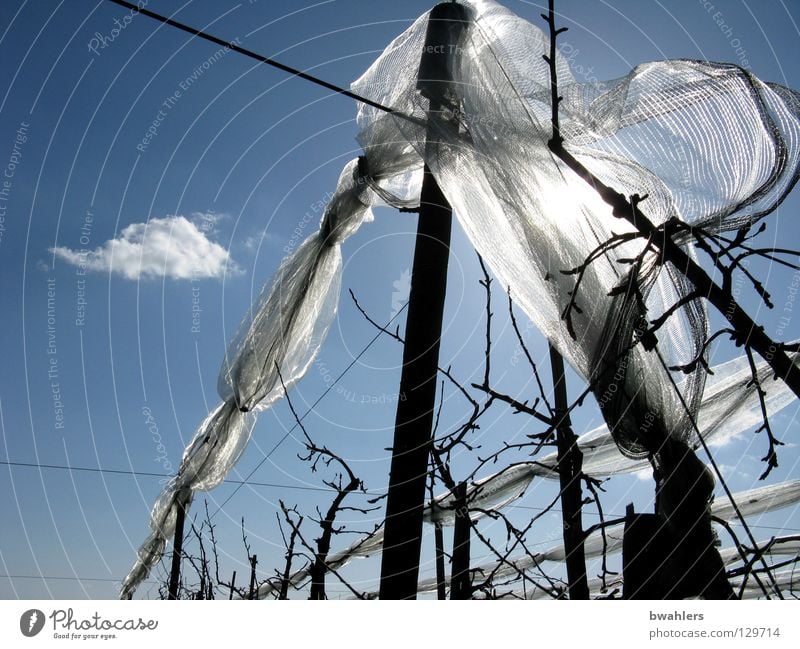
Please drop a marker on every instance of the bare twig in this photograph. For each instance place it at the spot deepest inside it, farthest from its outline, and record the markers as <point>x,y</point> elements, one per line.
<point>771,458</point>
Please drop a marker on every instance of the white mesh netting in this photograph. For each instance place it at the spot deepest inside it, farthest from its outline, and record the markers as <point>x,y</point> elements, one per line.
<point>725,143</point>
<point>729,407</point>
<point>753,502</point>
<point>709,144</point>
<point>278,340</point>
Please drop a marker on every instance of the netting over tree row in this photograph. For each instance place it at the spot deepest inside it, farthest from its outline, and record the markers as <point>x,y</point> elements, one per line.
<point>709,145</point>
<point>609,541</point>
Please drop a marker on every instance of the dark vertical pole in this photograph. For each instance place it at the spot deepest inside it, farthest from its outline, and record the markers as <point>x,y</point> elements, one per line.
<point>253,562</point>
<point>233,582</point>
<point>460,583</point>
<point>177,546</point>
<point>642,558</point>
<point>441,592</point>
<point>570,465</point>
<point>415,407</point>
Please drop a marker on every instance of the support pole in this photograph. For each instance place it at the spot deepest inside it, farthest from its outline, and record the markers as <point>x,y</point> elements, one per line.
<point>570,465</point>
<point>415,407</point>
<point>460,583</point>
<point>177,546</point>
<point>441,586</point>
<point>645,554</point>
<point>253,562</point>
<point>233,585</point>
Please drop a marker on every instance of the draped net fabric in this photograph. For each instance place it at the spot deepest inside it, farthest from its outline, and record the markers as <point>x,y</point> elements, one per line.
<point>215,447</point>
<point>787,580</point>
<point>762,500</point>
<point>724,142</point>
<point>730,407</point>
<point>278,339</point>
<point>708,144</point>
<point>280,336</point>
<point>782,547</point>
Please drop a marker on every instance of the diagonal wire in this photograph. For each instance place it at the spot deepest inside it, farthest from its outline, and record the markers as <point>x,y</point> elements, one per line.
<point>147,474</point>
<point>66,578</point>
<point>258,57</point>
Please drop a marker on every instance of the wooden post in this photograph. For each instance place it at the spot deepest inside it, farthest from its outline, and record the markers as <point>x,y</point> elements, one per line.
<point>441,586</point>
<point>645,556</point>
<point>177,545</point>
<point>417,395</point>
<point>460,582</point>
<point>253,562</point>
<point>570,464</point>
<point>233,581</point>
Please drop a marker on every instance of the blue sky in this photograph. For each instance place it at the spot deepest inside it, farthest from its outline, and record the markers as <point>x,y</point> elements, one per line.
<point>104,133</point>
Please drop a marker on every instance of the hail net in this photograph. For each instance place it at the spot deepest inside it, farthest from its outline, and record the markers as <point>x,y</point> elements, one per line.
<point>708,144</point>
<point>606,541</point>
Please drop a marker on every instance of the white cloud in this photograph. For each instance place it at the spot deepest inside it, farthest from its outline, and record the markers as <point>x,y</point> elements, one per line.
<point>171,247</point>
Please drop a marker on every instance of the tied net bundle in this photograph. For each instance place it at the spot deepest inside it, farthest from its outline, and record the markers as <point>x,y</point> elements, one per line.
<point>215,447</point>
<point>761,501</point>
<point>785,580</point>
<point>281,335</point>
<point>279,338</point>
<point>709,144</point>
